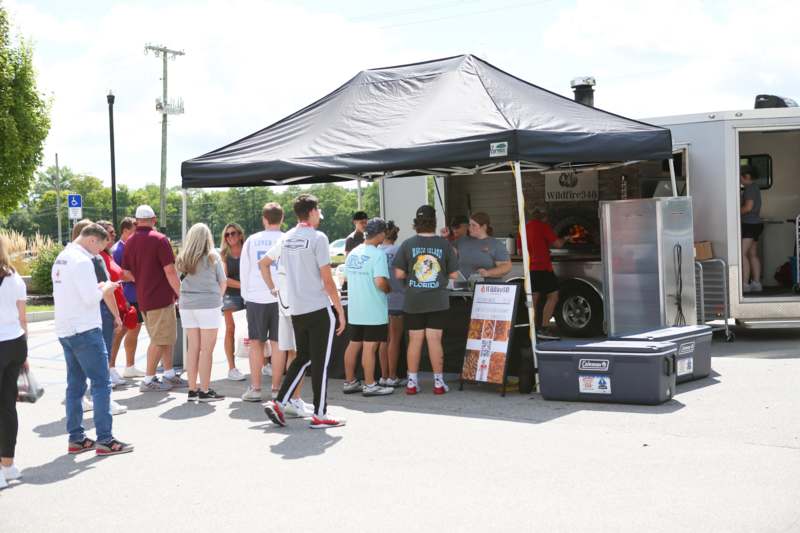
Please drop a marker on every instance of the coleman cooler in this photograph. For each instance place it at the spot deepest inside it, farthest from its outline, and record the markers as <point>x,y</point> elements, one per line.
<point>607,371</point>
<point>694,349</point>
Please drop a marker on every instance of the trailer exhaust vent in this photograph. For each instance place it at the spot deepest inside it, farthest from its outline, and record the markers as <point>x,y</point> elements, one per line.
<point>583,87</point>
<point>764,101</point>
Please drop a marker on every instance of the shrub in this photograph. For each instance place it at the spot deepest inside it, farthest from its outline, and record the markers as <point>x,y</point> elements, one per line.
<point>41,269</point>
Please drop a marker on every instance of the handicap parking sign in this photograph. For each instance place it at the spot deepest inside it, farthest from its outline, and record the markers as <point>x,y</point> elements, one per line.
<point>75,205</point>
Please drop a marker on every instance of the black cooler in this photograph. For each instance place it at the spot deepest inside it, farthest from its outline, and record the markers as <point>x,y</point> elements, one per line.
<point>694,349</point>
<point>607,371</point>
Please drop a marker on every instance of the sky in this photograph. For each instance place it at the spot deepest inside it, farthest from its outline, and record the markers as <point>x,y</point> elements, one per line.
<point>250,63</point>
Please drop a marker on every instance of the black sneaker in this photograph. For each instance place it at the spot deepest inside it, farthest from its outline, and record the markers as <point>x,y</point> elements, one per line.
<point>192,396</point>
<point>210,396</point>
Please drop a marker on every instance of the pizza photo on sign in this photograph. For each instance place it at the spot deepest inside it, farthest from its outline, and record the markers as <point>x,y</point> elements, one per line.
<point>475,329</point>
<point>497,366</point>
<point>488,329</point>
<point>502,329</point>
<point>470,370</point>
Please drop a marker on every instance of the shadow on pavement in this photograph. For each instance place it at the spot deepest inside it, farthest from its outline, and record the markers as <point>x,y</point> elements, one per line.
<point>708,381</point>
<point>59,427</point>
<point>187,410</point>
<point>59,469</point>
<point>147,400</point>
<point>300,441</point>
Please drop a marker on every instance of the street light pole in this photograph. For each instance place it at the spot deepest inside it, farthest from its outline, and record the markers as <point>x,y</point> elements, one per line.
<point>110,98</point>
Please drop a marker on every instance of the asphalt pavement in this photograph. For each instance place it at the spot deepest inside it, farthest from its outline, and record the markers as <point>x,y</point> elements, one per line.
<point>723,455</point>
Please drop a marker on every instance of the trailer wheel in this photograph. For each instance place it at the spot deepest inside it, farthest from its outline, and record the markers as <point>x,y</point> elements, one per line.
<point>579,312</point>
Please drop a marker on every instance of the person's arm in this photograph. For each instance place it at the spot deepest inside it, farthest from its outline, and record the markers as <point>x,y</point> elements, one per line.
<point>451,262</point>
<point>400,262</point>
<point>381,274</point>
<point>172,278</point>
<point>747,207</point>
<point>22,296</point>
<point>382,284</point>
<point>501,260</point>
<point>244,268</point>
<point>111,304</point>
<point>266,273</point>
<point>330,289</point>
<point>231,283</point>
<point>553,241</point>
<point>222,278</point>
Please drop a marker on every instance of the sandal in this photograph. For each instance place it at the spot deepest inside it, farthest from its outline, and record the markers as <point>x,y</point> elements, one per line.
<point>113,447</point>
<point>83,446</point>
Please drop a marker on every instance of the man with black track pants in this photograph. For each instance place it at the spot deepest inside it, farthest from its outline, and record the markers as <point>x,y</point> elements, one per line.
<point>310,287</point>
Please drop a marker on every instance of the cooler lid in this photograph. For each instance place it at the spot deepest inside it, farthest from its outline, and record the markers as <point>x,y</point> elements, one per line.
<point>607,346</point>
<point>668,334</point>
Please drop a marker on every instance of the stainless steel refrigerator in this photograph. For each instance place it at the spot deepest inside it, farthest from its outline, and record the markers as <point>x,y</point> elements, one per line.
<point>648,264</point>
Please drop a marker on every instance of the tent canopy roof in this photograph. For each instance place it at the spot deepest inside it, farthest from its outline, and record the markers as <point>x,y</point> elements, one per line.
<point>437,115</point>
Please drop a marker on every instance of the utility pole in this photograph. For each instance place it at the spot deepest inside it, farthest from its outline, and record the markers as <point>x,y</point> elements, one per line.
<point>110,99</point>
<point>58,200</point>
<point>165,107</point>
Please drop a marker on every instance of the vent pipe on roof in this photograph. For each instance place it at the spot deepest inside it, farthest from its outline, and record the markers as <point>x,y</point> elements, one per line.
<point>584,90</point>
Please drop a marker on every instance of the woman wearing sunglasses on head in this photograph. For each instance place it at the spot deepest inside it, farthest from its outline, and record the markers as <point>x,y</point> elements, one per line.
<point>230,250</point>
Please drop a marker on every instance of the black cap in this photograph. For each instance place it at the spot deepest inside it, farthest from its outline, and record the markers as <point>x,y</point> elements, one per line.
<point>374,226</point>
<point>458,220</point>
<point>360,215</point>
<point>426,211</point>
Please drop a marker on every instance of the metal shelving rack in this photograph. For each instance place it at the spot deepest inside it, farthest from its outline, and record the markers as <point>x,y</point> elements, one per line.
<point>711,283</point>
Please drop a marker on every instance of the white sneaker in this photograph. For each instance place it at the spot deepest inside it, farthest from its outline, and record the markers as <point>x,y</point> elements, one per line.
<point>251,395</point>
<point>746,287</point>
<point>235,375</point>
<point>3,482</point>
<point>298,409</point>
<point>755,286</point>
<point>132,372</point>
<point>116,380</point>
<point>376,390</point>
<point>118,409</point>
<point>87,404</point>
<point>266,370</point>
<point>10,473</point>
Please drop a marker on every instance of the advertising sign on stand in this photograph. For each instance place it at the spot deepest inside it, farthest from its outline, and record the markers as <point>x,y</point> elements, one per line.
<point>491,329</point>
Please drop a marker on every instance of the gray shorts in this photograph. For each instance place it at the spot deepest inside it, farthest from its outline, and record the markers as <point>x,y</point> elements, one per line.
<point>262,321</point>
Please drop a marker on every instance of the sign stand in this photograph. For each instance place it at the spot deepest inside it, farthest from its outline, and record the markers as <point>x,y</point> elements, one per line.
<point>491,333</point>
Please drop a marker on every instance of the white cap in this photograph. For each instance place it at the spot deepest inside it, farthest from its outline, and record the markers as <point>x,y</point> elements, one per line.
<point>145,212</point>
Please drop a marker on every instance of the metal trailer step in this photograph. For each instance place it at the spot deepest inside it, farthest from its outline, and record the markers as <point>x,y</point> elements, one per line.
<point>769,323</point>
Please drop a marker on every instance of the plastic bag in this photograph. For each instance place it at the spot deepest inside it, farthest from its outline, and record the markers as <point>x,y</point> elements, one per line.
<point>28,387</point>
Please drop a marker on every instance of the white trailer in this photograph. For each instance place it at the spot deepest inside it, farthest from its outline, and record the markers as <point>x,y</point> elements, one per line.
<point>717,144</point>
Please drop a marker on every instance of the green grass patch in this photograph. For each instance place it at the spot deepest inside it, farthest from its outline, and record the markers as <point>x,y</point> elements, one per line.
<point>35,308</point>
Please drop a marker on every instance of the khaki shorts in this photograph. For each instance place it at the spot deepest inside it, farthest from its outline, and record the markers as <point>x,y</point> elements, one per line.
<point>161,325</point>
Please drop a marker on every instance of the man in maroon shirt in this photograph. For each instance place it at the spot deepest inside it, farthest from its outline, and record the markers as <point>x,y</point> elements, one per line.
<point>149,258</point>
<point>544,282</point>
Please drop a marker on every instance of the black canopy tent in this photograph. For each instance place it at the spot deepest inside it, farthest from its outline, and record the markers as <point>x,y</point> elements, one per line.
<point>453,116</point>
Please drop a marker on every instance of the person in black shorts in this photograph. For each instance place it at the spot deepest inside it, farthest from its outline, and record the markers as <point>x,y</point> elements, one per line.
<point>752,226</point>
<point>426,261</point>
<point>544,282</point>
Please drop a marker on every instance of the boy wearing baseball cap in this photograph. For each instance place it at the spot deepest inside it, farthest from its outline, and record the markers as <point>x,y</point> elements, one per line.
<point>368,309</point>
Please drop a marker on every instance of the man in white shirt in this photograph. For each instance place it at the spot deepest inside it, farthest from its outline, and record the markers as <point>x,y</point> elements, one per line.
<point>77,296</point>
<point>261,304</point>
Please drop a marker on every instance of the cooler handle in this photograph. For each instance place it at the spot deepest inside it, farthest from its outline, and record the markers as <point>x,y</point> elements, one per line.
<point>669,365</point>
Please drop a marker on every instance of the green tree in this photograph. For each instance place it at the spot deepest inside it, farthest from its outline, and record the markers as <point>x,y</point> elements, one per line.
<point>24,119</point>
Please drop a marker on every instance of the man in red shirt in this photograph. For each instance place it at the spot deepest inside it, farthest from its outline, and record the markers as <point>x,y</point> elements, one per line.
<point>544,282</point>
<point>149,258</point>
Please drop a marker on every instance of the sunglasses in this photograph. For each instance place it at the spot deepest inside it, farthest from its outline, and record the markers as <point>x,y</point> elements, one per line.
<point>232,233</point>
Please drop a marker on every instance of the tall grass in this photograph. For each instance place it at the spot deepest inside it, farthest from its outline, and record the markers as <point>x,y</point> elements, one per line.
<point>23,250</point>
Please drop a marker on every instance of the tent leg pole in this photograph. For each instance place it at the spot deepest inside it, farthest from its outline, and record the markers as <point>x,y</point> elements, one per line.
<point>184,224</point>
<point>526,264</point>
<point>359,195</point>
<point>672,177</point>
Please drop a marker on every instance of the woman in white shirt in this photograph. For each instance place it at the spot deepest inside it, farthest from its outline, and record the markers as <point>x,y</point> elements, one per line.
<point>13,355</point>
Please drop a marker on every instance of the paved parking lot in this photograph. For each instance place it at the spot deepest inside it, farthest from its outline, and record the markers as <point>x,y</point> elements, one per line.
<point>724,455</point>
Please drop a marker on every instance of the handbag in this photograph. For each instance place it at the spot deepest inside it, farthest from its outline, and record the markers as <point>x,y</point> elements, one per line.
<point>28,387</point>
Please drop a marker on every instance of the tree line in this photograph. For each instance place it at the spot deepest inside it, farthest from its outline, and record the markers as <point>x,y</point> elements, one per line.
<point>214,207</point>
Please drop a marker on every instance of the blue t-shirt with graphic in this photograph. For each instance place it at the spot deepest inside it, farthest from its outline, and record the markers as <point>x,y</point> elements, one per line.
<point>367,305</point>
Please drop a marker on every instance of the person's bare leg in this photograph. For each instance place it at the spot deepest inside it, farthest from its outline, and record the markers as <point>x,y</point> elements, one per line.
<point>256,363</point>
<point>395,341</point>
<point>746,244</point>
<point>192,356</point>
<point>435,350</point>
<point>383,359</point>
<point>549,308</point>
<point>755,262</point>
<point>6,461</point>
<point>230,338</point>
<point>131,343</point>
<point>350,360</point>
<point>153,356</point>
<point>415,339</point>
<point>166,355</point>
<point>208,338</point>
<point>368,362</point>
<point>119,334</point>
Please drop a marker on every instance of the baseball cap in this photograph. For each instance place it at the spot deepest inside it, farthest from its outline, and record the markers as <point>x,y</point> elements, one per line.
<point>360,215</point>
<point>375,226</point>
<point>458,220</point>
<point>145,211</point>
<point>426,211</point>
